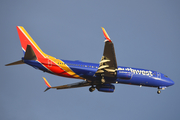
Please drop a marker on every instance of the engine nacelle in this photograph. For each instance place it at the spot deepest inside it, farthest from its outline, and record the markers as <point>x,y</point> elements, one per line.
<point>123,74</point>
<point>105,88</point>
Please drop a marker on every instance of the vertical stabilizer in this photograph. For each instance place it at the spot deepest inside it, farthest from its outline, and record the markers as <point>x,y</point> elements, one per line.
<point>26,40</point>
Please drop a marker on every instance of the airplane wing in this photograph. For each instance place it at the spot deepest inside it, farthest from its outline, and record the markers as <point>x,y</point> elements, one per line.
<point>73,85</point>
<point>108,64</point>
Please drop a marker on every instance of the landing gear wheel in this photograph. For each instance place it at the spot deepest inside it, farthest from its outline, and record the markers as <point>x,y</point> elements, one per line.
<point>91,89</point>
<point>158,92</point>
<point>102,80</point>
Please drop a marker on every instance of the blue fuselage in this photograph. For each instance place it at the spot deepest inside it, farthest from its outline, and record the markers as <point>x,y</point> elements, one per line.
<point>140,76</point>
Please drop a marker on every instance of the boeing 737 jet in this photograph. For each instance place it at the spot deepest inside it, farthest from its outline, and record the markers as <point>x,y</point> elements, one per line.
<point>100,76</point>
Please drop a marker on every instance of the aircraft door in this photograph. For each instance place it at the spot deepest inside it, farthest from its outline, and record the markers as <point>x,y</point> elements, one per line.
<point>158,75</point>
<point>49,63</point>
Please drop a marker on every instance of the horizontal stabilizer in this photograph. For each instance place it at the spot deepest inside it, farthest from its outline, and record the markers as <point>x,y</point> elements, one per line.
<point>29,55</point>
<point>15,63</point>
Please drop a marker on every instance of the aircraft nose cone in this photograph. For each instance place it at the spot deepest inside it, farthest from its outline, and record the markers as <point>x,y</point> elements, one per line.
<point>170,82</point>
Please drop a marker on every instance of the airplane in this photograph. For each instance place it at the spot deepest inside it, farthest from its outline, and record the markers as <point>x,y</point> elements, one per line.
<point>100,76</point>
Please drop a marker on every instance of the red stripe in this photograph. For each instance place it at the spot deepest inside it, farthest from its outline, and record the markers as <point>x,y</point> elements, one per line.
<point>53,67</point>
<point>107,38</point>
<point>25,41</point>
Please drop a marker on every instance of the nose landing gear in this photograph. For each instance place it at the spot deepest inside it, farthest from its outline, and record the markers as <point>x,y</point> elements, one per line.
<point>160,88</point>
<point>158,92</point>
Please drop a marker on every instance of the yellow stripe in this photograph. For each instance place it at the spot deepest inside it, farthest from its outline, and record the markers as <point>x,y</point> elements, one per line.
<point>64,67</point>
<point>57,61</point>
<point>105,32</point>
<point>46,82</point>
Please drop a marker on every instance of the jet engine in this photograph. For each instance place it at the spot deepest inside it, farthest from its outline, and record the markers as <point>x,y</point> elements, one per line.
<point>105,88</point>
<point>123,74</point>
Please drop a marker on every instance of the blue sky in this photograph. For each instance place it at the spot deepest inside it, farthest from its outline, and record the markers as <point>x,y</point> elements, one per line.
<point>145,35</point>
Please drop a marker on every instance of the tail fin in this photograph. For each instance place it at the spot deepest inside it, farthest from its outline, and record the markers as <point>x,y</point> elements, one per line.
<point>30,48</point>
<point>26,40</point>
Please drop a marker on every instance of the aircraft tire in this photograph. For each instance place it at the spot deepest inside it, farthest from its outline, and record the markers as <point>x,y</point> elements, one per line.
<point>102,80</point>
<point>91,89</point>
<point>158,92</point>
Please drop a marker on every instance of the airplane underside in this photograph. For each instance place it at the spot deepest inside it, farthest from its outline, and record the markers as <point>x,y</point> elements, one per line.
<point>99,76</point>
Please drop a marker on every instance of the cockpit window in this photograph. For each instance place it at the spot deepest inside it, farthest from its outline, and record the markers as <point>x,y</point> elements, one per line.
<point>166,76</point>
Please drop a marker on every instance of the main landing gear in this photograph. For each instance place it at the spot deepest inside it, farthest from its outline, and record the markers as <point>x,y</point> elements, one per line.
<point>160,88</point>
<point>102,79</point>
<point>91,89</point>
